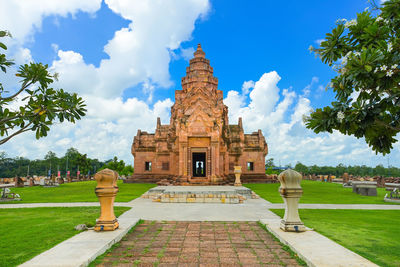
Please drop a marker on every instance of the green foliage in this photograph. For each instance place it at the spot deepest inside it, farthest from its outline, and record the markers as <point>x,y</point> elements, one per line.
<point>372,234</point>
<point>118,166</point>
<point>318,192</point>
<point>77,192</point>
<point>362,170</point>
<point>10,167</point>
<point>26,233</point>
<point>41,105</point>
<point>365,53</point>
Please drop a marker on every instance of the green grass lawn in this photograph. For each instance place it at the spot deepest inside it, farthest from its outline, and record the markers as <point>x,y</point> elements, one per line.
<point>373,234</point>
<point>76,192</point>
<point>318,192</point>
<point>25,233</point>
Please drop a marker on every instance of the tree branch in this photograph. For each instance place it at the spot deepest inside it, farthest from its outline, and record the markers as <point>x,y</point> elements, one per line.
<point>24,129</point>
<point>17,93</point>
<point>381,123</point>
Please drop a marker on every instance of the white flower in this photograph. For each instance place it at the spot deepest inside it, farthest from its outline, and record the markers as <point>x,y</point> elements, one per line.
<point>341,20</point>
<point>386,21</point>
<point>376,70</point>
<point>384,67</point>
<point>394,66</point>
<point>340,116</point>
<point>343,70</point>
<point>377,88</point>
<point>311,48</point>
<point>357,54</point>
<point>389,73</point>
<point>390,47</point>
<point>378,19</point>
<point>344,60</point>
<point>350,23</point>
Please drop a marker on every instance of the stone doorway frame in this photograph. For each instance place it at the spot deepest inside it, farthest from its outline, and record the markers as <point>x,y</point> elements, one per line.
<point>201,157</point>
<point>207,152</point>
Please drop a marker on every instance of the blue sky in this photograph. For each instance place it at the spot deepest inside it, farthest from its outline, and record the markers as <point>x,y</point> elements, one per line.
<point>127,59</point>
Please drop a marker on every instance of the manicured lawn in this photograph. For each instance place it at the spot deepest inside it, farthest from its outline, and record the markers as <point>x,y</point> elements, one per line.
<point>76,192</point>
<point>373,234</point>
<point>26,232</point>
<point>318,192</point>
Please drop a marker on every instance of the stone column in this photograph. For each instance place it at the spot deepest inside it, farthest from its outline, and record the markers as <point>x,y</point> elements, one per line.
<point>238,172</point>
<point>106,190</point>
<point>291,192</point>
<point>18,182</point>
<point>345,178</point>
<point>189,165</point>
<point>209,163</point>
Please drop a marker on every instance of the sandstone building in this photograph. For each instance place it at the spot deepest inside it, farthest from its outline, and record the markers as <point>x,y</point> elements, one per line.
<point>198,146</point>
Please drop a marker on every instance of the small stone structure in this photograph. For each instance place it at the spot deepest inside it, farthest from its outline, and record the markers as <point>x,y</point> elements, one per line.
<point>7,195</point>
<point>200,194</point>
<point>18,182</point>
<point>291,192</point>
<point>394,195</point>
<point>106,190</point>
<point>238,172</point>
<point>364,188</point>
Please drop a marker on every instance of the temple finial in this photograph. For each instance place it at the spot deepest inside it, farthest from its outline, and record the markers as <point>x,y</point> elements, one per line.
<point>199,52</point>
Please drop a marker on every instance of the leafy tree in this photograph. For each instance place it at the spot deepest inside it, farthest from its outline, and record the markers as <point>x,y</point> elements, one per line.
<point>41,104</point>
<point>365,53</point>
<point>269,163</point>
<point>301,168</point>
<point>118,166</point>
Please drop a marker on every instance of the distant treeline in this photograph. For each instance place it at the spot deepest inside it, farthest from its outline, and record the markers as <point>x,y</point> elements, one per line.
<point>72,161</point>
<point>362,170</point>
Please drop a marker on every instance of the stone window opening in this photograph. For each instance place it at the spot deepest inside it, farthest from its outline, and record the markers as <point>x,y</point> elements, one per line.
<point>165,166</point>
<point>250,166</point>
<point>147,166</point>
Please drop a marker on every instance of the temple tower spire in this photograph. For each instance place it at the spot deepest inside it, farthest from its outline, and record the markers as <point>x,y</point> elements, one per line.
<point>199,73</point>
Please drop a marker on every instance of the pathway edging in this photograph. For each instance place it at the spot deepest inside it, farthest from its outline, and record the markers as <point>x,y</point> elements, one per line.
<point>316,249</point>
<point>81,249</point>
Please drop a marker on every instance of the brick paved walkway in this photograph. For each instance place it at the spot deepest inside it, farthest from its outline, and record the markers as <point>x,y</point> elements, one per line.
<point>198,244</point>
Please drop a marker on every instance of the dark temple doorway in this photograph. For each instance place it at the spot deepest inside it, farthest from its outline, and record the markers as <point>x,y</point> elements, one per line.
<point>199,164</point>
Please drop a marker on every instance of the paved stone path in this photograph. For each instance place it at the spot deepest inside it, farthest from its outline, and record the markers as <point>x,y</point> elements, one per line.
<point>198,244</point>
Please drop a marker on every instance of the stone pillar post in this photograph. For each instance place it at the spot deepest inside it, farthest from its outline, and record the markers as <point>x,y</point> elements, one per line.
<point>238,172</point>
<point>291,192</point>
<point>345,178</point>
<point>18,182</point>
<point>106,190</point>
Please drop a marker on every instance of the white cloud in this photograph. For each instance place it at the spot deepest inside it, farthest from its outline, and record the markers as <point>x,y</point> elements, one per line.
<point>140,53</point>
<point>138,56</point>
<point>319,41</point>
<point>279,114</point>
<point>187,53</point>
<point>23,17</point>
<point>107,130</point>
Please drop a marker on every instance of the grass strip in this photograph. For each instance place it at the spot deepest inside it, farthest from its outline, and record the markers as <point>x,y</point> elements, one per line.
<point>27,232</point>
<point>319,193</point>
<point>373,234</point>
<point>76,192</point>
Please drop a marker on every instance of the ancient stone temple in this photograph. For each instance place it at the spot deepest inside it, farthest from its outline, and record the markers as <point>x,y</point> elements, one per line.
<point>199,146</point>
